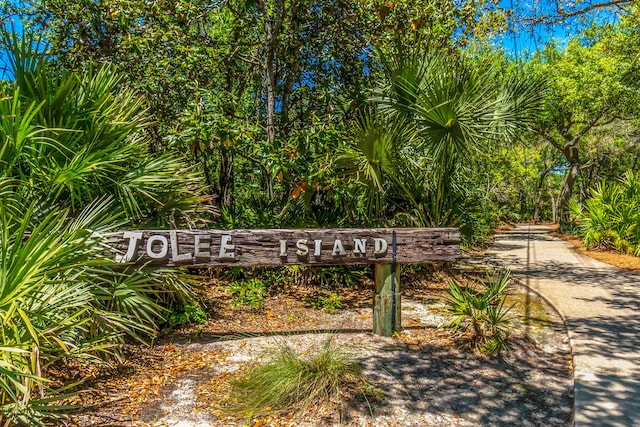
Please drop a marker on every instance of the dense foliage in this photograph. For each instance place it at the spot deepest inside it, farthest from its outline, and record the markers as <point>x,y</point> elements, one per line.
<point>283,113</point>
<point>71,138</point>
<point>74,166</point>
<point>60,297</point>
<point>264,96</point>
<point>610,218</point>
<point>261,94</point>
<point>593,84</point>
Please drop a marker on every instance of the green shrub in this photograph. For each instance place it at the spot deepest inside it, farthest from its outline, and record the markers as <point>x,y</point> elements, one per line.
<point>269,275</point>
<point>326,277</point>
<point>59,298</point>
<point>189,313</point>
<point>291,382</point>
<point>250,293</point>
<point>75,164</point>
<point>480,311</point>
<point>330,302</point>
<point>610,218</point>
<point>74,137</point>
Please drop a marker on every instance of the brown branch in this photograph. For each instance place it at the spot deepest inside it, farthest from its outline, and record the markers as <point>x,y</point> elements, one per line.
<point>586,129</point>
<point>561,15</point>
<point>548,137</point>
<point>249,60</point>
<point>590,7</point>
<point>609,121</point>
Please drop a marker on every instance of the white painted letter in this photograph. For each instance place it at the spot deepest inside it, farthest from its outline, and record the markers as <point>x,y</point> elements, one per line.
<point>198,246</point>
<point>226,247</point>
<point>175,256</point>
<point>318,246</point>
<point>338,249</point>
<point>164,247</point>
<point>133,237</point>
<point>283,248</point>
<point>379,246</point>
<point>303,249</point>
<point>360,246</point>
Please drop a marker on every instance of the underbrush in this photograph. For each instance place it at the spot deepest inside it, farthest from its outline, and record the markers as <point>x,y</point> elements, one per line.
<point>610,218</point>
<point>250,293</point>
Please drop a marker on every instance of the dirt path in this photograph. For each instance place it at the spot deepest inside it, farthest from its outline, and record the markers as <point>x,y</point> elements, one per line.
<point>601,305</point>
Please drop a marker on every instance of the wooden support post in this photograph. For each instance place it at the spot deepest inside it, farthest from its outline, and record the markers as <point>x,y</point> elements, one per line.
<point>386,306</point>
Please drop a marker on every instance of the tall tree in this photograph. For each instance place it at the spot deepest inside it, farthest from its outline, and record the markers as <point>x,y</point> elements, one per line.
<point>592,85</point>
<point>253,90</point>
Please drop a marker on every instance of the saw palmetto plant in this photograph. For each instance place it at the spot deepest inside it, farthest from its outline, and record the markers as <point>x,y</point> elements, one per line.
<point>75,165</point>
<point>77,137</point>
<point>430,115</point>
<point>610,217</point>
<point>480,311</point>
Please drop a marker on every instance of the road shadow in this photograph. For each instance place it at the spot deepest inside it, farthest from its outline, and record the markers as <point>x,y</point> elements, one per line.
<point>541,237</point>
<point>612,341</point>
<point>602,310</point>
<point>608,400</point>
<point>623,286</point>
<point>530,388</point>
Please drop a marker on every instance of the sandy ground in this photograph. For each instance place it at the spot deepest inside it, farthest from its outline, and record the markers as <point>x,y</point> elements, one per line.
<point>423,375</point>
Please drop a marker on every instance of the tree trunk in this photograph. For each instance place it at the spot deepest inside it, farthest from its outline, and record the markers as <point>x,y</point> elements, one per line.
<point>567,187</point>
<point>225,179</point>
<point>570,151</point>
<point>536,213</point>
<point>272,26</point>
<point>271,100</point>
<point>271,114</point>
<point>554,206</point>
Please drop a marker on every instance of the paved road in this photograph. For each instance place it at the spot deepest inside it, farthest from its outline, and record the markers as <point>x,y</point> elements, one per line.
<point>601,305</point>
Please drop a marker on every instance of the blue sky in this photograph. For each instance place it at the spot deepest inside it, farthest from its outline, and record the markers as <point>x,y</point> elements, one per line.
<point>525,38</point>
<point>17,25</point>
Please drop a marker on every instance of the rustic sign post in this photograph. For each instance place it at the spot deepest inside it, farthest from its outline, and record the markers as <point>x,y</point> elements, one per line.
<point>387,315</point>
<point>386,248</point>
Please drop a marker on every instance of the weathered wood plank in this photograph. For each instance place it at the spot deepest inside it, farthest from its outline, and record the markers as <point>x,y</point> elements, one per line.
<point>272,247</point>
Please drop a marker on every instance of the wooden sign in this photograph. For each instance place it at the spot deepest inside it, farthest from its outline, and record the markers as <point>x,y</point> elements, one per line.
<point>285,246</point>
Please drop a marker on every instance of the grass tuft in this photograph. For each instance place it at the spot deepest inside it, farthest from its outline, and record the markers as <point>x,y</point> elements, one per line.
<point>290,382</point>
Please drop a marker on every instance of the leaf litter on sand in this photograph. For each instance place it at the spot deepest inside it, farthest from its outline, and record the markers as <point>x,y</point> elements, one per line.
<point>422,375</point>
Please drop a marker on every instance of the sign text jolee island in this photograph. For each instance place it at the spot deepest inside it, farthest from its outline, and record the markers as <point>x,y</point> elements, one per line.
<point>286,246</point>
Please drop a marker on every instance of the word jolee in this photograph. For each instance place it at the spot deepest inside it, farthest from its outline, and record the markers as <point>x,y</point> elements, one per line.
<point>157,247</point>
